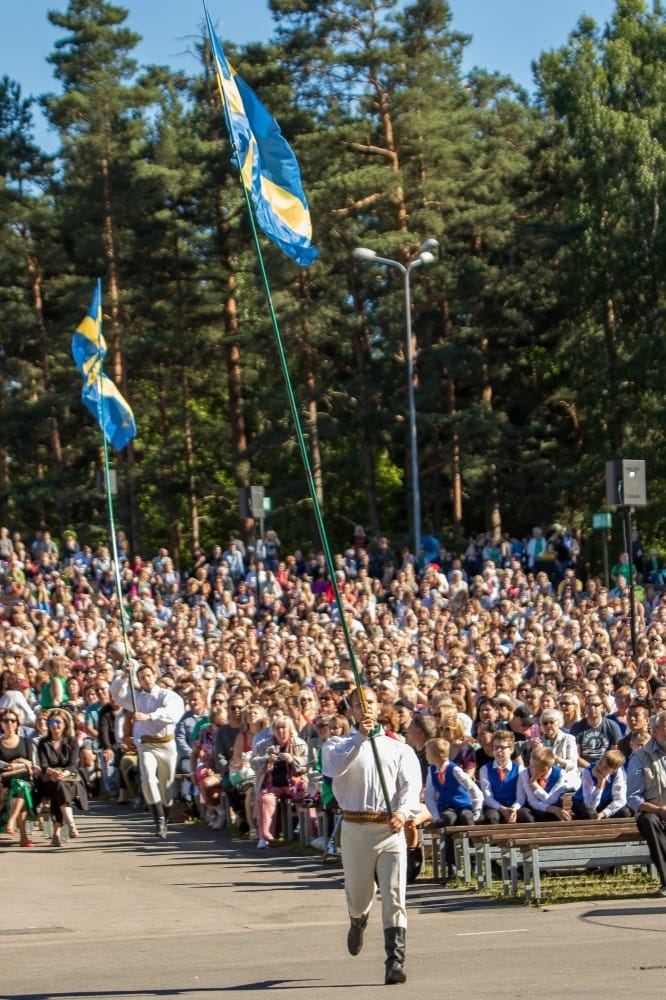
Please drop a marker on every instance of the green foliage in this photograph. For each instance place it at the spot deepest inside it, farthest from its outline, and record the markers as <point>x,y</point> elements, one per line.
<point>537,329</point>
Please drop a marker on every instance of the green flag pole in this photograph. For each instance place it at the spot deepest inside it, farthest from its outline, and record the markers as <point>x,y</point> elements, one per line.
<point>304,451</point>
<point>110,513</point>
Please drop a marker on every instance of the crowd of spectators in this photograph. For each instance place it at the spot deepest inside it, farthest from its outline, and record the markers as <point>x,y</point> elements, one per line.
<point>502,637</point>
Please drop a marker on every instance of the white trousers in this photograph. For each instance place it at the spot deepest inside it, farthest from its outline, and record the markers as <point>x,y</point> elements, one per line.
<point>368,848</point>
<point>157,764</point>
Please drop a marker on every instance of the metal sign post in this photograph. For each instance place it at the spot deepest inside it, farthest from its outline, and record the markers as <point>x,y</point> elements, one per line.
<point>603,522</point>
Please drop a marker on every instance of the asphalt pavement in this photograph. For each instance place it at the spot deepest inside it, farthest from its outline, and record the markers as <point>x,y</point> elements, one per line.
<point>120,914</point>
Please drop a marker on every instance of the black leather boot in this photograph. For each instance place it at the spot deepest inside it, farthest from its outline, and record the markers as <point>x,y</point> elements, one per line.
<point>414,863</point>
<point>157,811</point>
<point>395,942</point>
<point>355,935</point>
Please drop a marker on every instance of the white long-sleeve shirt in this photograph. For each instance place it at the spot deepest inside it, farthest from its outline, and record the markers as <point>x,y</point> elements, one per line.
<point>164,706</point>
<point>592,793</point>
<point>539,798</point>
<point>350,762</point>
<point>487,790</point>
<point>468,783</point>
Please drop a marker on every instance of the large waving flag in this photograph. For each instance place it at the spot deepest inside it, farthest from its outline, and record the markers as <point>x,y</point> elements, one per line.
<point>269,168</point>
<point>99,393</point>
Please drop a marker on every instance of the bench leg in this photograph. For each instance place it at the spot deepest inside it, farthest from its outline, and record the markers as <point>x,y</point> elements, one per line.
<point>464,859</point>
<point>484,875</point>
<point>532,875</point>
<point>287,818</point>
<point>436,849</point>
<point>507,865</point>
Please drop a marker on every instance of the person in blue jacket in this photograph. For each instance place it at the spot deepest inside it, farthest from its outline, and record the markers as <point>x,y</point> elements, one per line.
<point>451,796</point>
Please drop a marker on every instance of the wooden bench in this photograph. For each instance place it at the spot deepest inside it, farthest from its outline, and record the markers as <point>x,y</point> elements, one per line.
<point>539,847</point>
<point>502,843</point>
<point>607,848</point>
<point>434,836</point>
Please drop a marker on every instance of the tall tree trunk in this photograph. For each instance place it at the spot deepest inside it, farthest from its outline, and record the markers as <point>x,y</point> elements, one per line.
<point>493,512</point>
<point>190,463</point>
<point>189,460</point>
<point>4,467</point>
<point>456,475</point>
<point>175,527</point>
<point>360,346</point>
<point>310,389</point>
<point>235,390</point>
<point>115,345</point>
<point>55,445</point>
<point>610,338</point>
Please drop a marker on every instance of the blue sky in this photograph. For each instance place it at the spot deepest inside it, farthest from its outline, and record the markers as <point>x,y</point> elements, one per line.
<point>507,34</point>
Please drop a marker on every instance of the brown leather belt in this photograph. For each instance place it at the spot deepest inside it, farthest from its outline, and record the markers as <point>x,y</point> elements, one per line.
<point>157,739</point>
<point>358,817</point>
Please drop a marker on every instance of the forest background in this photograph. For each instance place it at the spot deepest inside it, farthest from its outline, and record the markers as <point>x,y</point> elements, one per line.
<point>537,330</point>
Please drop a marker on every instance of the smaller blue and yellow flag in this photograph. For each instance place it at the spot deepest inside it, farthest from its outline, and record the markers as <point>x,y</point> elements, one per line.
<point>268,166</point>
<point>99,393</point>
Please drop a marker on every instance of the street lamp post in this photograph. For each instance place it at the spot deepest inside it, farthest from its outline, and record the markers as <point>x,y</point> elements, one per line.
<point>424,256</point>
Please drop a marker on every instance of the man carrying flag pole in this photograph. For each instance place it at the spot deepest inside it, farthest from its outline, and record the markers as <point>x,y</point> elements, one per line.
<point>372,840</point>
<point>110,410</point>
<point>272,187</point>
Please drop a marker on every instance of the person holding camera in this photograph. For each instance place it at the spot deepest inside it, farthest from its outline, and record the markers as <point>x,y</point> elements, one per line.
<point>280,763</point>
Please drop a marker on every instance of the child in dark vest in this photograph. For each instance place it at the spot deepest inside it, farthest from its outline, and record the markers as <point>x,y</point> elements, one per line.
<point>603,790</point>
<point>542,784</point>
<point>451,796</point>
<point>502,801</point>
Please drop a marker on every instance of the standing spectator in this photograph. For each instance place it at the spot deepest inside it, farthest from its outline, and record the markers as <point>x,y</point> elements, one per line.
<point>646,787</point>
<point>622,568</point>
<point>234,559</point>
<point>421,729</point>
<point>536,548</point>
<point>271,550</point>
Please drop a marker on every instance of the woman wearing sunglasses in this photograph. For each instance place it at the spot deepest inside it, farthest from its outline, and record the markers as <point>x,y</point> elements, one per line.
<point>16,804</point>
<point>60,782</point>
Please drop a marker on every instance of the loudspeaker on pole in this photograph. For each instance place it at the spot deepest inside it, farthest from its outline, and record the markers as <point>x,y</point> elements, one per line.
<point>626,483</point>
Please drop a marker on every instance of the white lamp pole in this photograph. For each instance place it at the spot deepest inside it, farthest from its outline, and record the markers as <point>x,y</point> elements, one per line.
<point>424,256</point>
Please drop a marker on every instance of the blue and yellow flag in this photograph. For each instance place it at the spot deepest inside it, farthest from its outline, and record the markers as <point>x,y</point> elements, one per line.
<point>269,168</point>
<point>99,393</point>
